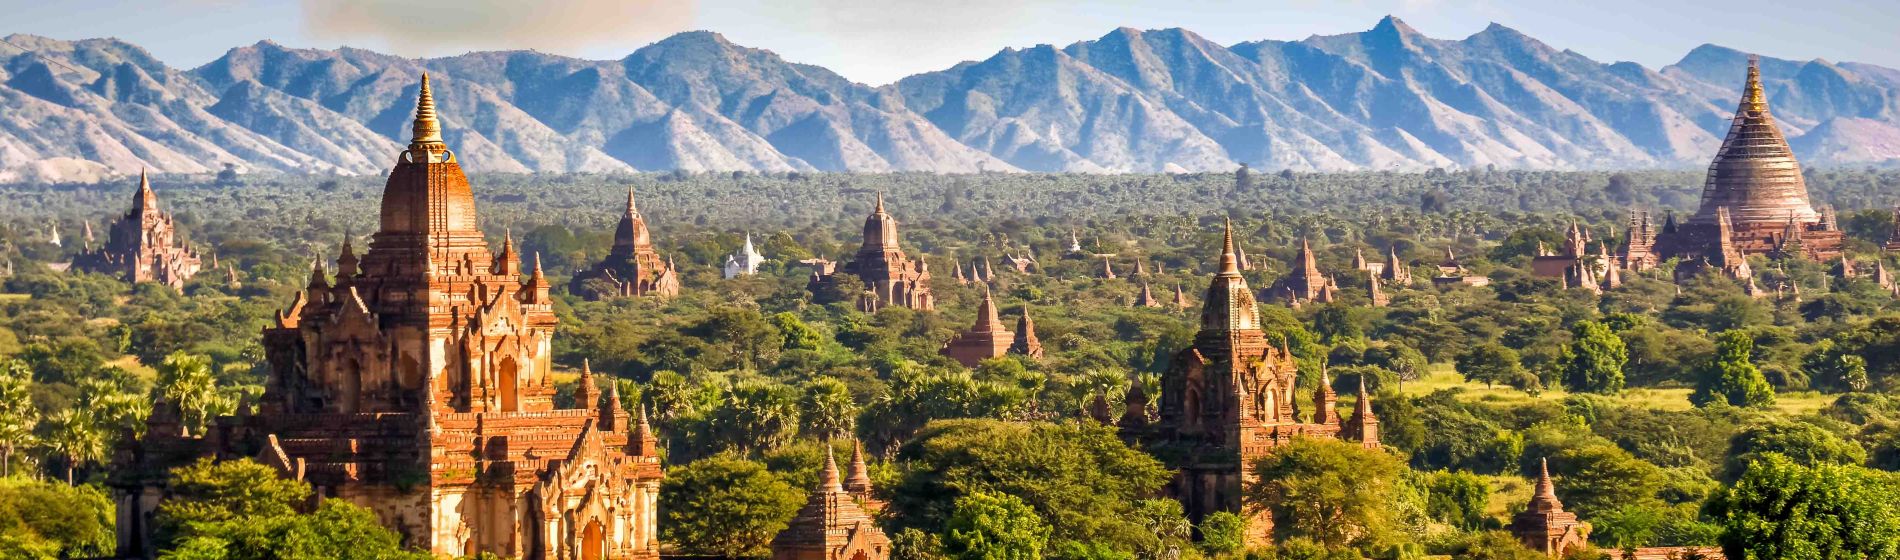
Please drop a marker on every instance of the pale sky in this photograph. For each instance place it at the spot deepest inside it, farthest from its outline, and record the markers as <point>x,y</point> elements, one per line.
<point>879,41</point>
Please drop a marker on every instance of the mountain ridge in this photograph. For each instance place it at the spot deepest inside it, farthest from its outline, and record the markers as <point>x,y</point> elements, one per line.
<point>1131,100</point>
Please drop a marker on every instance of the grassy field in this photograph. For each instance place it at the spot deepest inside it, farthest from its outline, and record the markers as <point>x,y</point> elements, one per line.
<point>1443,376</point>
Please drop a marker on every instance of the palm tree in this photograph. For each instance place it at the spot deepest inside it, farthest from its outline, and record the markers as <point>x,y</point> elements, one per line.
<point>75,436</point>
<point>186,381</point>
<point>829,410</point>
<point>18,416</point>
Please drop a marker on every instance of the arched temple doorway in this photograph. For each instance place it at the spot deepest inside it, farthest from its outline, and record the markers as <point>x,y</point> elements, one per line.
<point>510,371</point>
<point>593,542</point>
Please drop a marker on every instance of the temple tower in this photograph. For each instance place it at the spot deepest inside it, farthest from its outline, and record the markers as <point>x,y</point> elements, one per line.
<point>1026,342</point>
<point>1544,526</point>
<point>1225,401</point>
<point>417,384</point>
<point>832,525</point>
<point>141,246</point>
<point>986,339</point>
<point>632,267</point>
<point>890,277</point>
<point>1754,190</point>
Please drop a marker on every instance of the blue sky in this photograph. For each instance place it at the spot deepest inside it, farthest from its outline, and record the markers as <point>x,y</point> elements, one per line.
<point>877,42</point>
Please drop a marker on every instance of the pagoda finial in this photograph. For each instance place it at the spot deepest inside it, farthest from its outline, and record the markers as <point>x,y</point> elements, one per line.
<point>1364,406</point>
<point>858,479</point>
<point>880,204</point>
<point>1754,99</point>
<point>426,129</point>
<point>1546,495</point>
<point>1229,263</point>
<point>144,198</point>
<point>632,208</point>
<point>828,480</point>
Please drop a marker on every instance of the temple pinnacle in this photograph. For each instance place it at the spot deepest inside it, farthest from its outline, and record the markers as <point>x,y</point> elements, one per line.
<point>632,209</point>
<point>426,129</point>
<point>1229,262</point>
<point>828,480</point>
<point>1754,99</point>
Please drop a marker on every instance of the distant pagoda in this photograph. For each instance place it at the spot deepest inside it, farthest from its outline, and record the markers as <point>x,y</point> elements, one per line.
<point>1755,192</point>
<point>632,268</point>
<point>986,339</point>
<point>142,246</point>
<point>1228,400</point>
<point>745,261</point>
<point>890,277</point>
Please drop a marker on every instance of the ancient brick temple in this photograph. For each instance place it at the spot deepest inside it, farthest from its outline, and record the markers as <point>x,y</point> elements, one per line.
<point>986,339</point>
<point>1639,244</point>
<point>1576,265</point>
<point>1026,342</point>
<point>1228,400</point>
<point>1305,283</point>
<point>417,385</point>
<point>1754,200</point>
<point>834,524</point>
<point>1544,526</point>
<point>142,246</point>
<point>632,268</point>
<point>890,277</point>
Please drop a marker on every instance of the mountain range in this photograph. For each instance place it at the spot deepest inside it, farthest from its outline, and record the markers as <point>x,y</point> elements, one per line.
<point>1130,101</point>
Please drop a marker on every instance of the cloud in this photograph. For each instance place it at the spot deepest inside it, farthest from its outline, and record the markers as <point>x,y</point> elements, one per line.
<point>438,28</point>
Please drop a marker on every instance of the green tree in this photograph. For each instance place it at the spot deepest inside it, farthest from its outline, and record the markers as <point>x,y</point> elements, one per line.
<point>208,493</point>
<point>1458,498</point>
<point>724,505</point>
<point>1782,509</point>
<point>1493,363</point>
<point>42,520</point>
<point>994,526</point>
<point>75,437</point>
<point>1830,368</point>
<point>757,415</point>
<point>1804,443</point>
<point>1593,361</point>
<point>186,381</point>
<point>18,416</point>
<point>1731,376</point>
<point>1336,322</point>
<point>1495,545</point>
<point>1335,493</point>
<point>1224,532</point>
<point>1079,476</point>
<point>336,530</point>
<point>828,409</point>
<point>796,334</point>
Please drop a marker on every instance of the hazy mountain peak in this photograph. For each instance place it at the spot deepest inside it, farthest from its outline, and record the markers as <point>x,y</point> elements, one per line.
<point>1129,100</point>
<point>1392,26</point>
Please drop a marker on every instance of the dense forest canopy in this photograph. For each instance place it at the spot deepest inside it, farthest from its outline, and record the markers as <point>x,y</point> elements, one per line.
<point>1671,415</point>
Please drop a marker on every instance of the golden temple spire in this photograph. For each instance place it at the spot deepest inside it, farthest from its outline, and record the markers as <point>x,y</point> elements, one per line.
<point>880,204</point>
<point>1753,98</point>
<point>632,208</point>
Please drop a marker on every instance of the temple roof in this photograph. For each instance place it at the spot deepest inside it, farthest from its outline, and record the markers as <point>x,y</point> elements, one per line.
<point>880,229</point>
<point>1229,305</point>
<point>1755,174</point>
<point>631,235</point>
